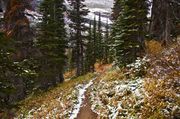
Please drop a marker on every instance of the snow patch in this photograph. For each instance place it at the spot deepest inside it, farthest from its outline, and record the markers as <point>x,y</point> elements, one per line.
<point>81,96</point>
<point>114,99</point>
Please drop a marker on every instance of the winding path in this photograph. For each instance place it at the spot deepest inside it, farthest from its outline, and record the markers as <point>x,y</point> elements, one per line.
<point>85,111</point>
<point>82,110</point>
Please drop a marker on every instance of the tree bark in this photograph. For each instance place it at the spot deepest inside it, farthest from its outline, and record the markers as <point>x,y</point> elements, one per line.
<point>164,14</point>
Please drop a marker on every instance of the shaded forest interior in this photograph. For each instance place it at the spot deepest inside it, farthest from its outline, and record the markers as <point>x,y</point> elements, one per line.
<point>36,57</point>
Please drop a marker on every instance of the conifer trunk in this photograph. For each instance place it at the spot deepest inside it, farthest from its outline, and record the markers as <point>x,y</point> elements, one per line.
<point>161,21</point>
<point>17,27</point>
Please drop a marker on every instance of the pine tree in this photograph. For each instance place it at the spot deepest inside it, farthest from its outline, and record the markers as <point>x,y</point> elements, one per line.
<point>17,27</point>
<point>78,25</point>
<point>1,19</point>
<point>116,9</point>
<point>6,87</point>
<point>89,59</point>
<point>99,40</point>
<point>128,31</point>
<point>94,32</point>
<point>51,42</point>
<point>165,13</point>
<point>106,44</point>
<point>8,68</point>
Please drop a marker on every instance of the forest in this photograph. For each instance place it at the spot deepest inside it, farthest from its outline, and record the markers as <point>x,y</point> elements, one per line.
<point>88,59</point>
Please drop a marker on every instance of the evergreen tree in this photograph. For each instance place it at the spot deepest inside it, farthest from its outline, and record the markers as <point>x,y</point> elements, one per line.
<point>94,32</point>
<point>17,27</point>
<point>99,40</point>
<point>164,19</point>
<point>89,59</point>
<point>128,31</point>
<point>78,25</point>
<point>51,42</point>
<point>116,9</point>
<point>6,65</point>
<point>106,44</point>
<point>9,68</point>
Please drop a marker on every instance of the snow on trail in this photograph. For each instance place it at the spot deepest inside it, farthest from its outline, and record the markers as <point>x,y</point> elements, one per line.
<point>80,98</point>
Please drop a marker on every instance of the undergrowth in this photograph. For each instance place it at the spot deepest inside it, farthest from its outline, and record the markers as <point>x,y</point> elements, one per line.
<point>162,83</point>
<point>62,91</point>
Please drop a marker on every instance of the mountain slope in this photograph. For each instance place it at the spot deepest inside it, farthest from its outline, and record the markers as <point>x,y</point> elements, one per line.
<point>115,92</point>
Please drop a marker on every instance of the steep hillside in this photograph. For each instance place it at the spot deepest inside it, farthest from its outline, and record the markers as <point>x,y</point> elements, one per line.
<point>125,94</point>
<point>132,92</point>
<point>89,59</point>
<point>58,102</point>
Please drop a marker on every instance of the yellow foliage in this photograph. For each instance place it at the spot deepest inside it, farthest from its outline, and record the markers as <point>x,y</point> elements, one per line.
<point>49,98</point>
<point>114,75</point>
<point>101,68</point>
<point>69,74</point>
<point>153,47</point>
<point>161,84</point>
<point>153,101</point>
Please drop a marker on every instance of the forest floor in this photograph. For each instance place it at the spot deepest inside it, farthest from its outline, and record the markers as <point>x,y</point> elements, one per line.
<point>85,111</point>
<point>145,89</point>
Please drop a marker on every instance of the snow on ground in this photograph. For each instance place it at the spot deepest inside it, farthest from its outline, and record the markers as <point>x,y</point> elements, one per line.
<point>65,103</point>
<point>163,84</point>
<point>104,7</point>
<point>134,95</point>
<point>103,4</point>
<point>57,108</point>
<point>82,89</point>
<point>117,99</point>
<point>105,16</point>
<point>121,93</point>
<point>116,96</point>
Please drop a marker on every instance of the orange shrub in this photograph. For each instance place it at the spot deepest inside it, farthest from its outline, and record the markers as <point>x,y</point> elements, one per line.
<point>69,74</point>
<point>153,47</point>
<point>100,68</point>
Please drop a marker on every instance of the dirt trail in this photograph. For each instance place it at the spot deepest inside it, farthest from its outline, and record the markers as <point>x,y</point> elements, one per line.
<point>85,111</point>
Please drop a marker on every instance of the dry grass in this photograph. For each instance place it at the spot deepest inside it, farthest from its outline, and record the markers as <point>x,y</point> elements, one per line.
<point>49,98</point>
<point>114,75</point>
<point>101,68</point>
<point>69,74</point>
<point>162,86</point>
<point>153,47</point>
